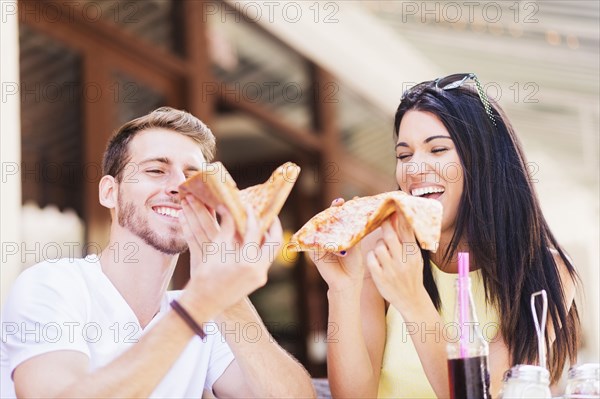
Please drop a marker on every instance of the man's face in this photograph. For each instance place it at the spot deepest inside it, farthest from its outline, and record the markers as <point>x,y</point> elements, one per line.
<point>148,195</point>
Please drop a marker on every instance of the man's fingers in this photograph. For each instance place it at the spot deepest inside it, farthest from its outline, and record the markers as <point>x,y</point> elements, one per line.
<point>189,237</point>
<point>276,230</point>
<point>195,227</point>
<point>252,227</point>
<point>227,222</point>
<point>275,234</point>
<point>203,215</point>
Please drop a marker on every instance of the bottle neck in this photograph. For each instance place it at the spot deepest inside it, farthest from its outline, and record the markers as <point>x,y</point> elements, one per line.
<point>470,341</point>
<point>464,311</point>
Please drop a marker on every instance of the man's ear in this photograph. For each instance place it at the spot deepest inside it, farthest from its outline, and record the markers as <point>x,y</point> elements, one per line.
<point>107,191</point>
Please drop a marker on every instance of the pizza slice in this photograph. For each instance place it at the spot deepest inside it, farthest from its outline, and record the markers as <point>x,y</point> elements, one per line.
<point>339,228</point>
<point>268,198</point>
<point>213,185</point>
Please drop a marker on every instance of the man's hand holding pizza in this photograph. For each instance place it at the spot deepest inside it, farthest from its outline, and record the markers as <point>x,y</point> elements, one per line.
<point>225,266</point>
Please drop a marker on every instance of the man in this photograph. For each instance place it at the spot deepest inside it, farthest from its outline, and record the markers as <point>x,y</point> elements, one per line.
<point>106,326</point>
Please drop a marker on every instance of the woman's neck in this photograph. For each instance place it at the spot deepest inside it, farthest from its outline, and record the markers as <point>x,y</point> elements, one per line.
<point>451,265</point>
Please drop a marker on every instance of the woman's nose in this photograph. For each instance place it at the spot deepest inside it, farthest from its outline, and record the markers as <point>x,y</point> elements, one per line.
<point>419,164</point>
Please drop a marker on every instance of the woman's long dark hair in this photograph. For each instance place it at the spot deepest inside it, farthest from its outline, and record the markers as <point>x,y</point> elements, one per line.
<point>500,217</point>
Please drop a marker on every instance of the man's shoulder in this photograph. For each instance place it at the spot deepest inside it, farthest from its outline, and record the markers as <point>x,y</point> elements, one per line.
<point>56,270</point>
<point>59,275</point>
<point>47,290</point>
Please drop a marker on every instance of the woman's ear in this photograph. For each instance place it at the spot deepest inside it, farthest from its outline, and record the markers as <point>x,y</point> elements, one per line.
<point>107,191</point>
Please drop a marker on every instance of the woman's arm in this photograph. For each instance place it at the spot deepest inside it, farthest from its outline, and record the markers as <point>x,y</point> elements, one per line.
<point>499,362</point>
<point>396,266</point>
<point>356,340</point>
<point>431,348</point>
<point>356,329</point>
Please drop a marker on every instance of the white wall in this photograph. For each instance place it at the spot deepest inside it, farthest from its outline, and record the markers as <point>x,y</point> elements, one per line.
<point>10,147</point>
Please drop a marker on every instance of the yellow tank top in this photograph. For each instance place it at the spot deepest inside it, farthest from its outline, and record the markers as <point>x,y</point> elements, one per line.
<point>402,375</point>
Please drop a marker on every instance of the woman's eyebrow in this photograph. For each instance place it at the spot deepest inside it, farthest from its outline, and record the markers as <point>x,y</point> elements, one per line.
<point>427,140</point>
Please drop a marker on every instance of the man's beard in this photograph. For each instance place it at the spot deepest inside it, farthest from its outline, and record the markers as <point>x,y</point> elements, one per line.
<point>129,218</point>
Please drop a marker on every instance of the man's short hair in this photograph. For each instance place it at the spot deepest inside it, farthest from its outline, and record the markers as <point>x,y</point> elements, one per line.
<point>116,154</point>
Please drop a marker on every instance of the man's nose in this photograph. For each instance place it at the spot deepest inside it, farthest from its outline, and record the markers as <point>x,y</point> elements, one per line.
<point>175,180</point>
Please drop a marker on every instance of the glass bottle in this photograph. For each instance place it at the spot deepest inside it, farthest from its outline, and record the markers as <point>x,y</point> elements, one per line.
<point>583,381</point>
<point>526,381</point>
<point>468,372</point>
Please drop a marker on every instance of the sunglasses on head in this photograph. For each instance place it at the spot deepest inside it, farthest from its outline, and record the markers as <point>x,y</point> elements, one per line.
<point>457,80</point>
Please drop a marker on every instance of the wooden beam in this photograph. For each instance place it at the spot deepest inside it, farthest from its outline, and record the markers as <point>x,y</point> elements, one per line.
<point>325,124</point>
<point>119,61</point>
<point>303,138</point>
<point>197,100</point>
<point>309,284</point>
<point>200,101</point>
<point>83,28</point>
<point>98,122</point>
<point>325,121</point>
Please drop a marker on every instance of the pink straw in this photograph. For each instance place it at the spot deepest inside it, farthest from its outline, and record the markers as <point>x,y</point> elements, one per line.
<point>463,299</point>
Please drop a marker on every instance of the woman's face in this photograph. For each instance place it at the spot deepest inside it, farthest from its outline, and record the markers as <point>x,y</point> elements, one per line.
<point>428,165</point>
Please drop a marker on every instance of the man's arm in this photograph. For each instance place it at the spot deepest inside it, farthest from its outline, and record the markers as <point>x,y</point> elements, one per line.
<point>261,367</point>
<point>133,374</point>
<point>137,372</point>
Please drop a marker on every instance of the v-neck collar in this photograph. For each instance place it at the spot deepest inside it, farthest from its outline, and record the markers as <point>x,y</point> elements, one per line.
<point>112,291</point>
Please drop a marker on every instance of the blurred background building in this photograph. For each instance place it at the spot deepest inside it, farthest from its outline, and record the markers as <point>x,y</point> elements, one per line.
<point>314,82</point>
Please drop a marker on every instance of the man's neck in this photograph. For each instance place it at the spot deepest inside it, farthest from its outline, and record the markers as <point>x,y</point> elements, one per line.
<point>139,272</point>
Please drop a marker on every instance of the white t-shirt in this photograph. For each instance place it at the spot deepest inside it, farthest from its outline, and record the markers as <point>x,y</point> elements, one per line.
<point>70,304</point>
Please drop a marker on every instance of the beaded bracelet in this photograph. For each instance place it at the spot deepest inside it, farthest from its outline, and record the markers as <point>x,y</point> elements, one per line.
<point>187,318</point>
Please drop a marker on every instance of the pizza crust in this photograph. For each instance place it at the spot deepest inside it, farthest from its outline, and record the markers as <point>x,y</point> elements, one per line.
<point>268,198</point>
<point>339,228</point>
<point>213,185</point>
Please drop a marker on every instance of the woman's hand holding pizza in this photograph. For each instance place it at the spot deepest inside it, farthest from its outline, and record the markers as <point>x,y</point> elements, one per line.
<point>343,270</point>
<point>381,232</point>
<point>396,264</point>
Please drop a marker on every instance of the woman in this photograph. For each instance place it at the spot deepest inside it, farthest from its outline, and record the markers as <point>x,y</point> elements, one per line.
<point>388,301</point>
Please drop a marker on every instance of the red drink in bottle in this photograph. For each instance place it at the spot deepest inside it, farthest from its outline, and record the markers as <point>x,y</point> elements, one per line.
<point>468,373</point>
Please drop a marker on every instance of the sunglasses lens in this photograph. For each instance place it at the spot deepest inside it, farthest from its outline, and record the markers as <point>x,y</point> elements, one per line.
<point>453,81</point>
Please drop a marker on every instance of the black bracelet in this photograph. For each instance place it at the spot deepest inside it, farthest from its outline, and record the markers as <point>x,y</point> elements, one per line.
<point>187,318</point>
